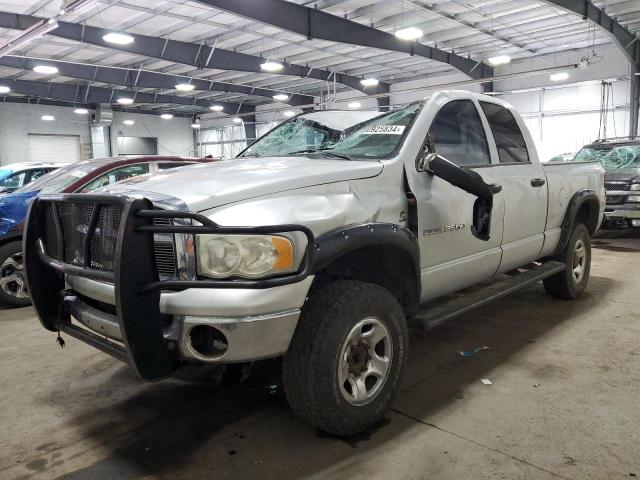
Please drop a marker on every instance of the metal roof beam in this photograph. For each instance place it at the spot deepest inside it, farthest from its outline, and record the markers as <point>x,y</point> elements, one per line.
<point>134,78</point>
<point>187,53</point>
<point>627,41</point>
<point>93,95</point>
<point>314,23</point>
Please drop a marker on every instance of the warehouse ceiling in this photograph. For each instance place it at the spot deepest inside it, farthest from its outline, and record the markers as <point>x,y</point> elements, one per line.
<point>458,30</point>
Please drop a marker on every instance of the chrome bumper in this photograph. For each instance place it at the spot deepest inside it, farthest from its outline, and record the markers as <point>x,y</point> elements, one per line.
<point>257,323</point>
<point>623,214</point>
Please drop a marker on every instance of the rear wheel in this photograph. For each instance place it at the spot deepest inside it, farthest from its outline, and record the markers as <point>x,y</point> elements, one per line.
<point>571,282</point>
<point>346,357</point>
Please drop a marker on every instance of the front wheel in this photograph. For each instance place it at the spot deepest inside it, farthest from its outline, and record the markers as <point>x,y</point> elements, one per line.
<point>13,285</point>
<point>571,282</point>
<point>346,357</point>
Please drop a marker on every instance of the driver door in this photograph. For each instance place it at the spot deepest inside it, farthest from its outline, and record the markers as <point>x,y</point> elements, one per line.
<point>453,258</point>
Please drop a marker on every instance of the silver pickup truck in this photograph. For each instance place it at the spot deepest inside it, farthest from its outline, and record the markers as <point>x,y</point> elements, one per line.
<point>317,249</point>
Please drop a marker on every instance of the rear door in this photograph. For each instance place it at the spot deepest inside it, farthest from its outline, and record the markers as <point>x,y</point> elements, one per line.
<point>524,187</point>
<point>451,256</point>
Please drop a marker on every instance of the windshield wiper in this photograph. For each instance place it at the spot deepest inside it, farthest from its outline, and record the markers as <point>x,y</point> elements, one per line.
<point>323,151</point>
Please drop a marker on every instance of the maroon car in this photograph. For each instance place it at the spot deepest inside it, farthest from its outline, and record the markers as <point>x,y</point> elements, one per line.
<point>78,177</point>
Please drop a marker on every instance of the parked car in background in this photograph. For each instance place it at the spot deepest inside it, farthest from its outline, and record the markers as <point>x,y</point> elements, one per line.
<point>77,177</point>
<point>562,158</point>
<point>620,158</point>
<point>17,175</point>
<point>317,251</point>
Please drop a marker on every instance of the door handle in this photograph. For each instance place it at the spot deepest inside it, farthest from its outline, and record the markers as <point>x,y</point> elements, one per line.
<point>538,182</point>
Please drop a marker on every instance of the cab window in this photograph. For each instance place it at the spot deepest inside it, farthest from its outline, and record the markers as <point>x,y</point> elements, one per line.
<point>459,136</point>
<point>116,175</point>
<point>167,165</point>
<point>509,139</point>
<point>13,181</point>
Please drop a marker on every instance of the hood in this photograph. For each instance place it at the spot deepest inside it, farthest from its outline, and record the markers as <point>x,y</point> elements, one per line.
<point>210,185</point>
<point>622,175</point>
<point>13,209</point>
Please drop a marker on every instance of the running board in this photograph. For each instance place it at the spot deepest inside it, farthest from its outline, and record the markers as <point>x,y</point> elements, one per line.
<point>428,317</point>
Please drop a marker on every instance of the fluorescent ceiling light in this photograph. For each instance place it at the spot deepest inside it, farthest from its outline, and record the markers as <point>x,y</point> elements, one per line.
<point>76,7</point>
<point>125,101</point>
<point>559,77</point>
<point>217,108</point>
<point>499,60</point>
<point>118,38</point>
<point>271,66</point>
<point>237,120</point>
<point>36,30</point>
<point>128,122</point>
<point>354,105</point>
<point>166,116</point>
<point>281,97</point>
<point>46,69</point>
<point>4,89</point>
<point>410,33</point>
<point>81,111</point>
<point>185,87</point>
<point>369,82</point>
<point>195,125</point>
<point>288,113</point>
<point>48,118</point>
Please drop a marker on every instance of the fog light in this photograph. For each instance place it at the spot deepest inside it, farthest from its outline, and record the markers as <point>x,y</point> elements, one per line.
<point>635,223</point>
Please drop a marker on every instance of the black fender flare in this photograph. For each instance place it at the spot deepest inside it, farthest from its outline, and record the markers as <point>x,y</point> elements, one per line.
<point>334,244</point>
<point>580,198</point>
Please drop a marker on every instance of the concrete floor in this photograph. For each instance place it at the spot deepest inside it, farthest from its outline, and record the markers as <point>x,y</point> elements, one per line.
<point>563,403</point>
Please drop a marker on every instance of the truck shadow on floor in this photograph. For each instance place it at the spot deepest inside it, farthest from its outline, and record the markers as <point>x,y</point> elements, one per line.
<point>190,427</point>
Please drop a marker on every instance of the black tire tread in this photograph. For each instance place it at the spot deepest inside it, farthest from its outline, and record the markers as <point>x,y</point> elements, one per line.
<point>303,360</point>
<point>558,285</point>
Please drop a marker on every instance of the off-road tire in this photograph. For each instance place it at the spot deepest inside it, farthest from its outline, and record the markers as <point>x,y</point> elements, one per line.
<point>6,300</point>
<point>564,285</point>
<point>310,366</point>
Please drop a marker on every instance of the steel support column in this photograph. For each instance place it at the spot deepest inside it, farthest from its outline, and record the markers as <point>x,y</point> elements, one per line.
<point>634,104</point>
<point>249,123</point>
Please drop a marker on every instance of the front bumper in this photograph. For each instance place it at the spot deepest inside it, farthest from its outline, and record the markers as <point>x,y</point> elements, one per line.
<point>90,258</point>
<point>625,211</point>
<point>256,324</point>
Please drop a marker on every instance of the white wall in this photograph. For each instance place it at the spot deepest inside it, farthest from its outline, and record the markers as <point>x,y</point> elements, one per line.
<point>564,116</point>
<point>175,136</point>
<point>18,120</point>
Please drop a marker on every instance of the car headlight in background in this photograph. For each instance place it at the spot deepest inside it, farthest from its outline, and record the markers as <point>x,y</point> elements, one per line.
<point>248,256</point>
<point>633,198</point>
<point>635,187</point>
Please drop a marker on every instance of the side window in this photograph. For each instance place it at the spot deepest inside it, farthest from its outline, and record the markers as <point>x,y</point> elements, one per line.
<point>509,139</point>
<point>35,174</point>
<point>116,175</point>
<point>167,165</point>
<point>13,181</point>
<point>459,135</point>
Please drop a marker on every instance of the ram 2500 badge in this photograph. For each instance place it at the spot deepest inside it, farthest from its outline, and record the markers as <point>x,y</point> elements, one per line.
<point>316,249</point>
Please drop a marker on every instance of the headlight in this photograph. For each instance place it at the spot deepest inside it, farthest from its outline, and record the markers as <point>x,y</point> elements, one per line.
<point>635,187</point>
<point>633,198</point>
<point>248,256</point>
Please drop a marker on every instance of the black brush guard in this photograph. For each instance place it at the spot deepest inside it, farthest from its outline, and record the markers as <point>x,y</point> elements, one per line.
<point>134,275</point>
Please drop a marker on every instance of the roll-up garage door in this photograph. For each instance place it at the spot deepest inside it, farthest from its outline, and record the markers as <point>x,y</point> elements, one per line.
<point>54,148</point>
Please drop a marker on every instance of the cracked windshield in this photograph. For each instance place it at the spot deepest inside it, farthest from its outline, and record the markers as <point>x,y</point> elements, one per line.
<point>373,138</point>
<point>612,159</point>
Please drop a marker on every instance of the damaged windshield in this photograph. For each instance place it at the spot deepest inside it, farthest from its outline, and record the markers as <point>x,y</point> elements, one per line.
<point>612,158</point>
<point>371,138</point>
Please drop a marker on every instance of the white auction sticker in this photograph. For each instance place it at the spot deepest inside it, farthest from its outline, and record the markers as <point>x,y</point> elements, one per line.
<point>385,130</point>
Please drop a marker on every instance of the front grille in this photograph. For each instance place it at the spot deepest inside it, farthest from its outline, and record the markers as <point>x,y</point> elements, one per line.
<point>164,249</point>
<point>615,199</point>
<point>617,186</point>
<point>75,220</point>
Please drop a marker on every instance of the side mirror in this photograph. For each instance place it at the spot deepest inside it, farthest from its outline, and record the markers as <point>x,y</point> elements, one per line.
<point>427,154</point>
